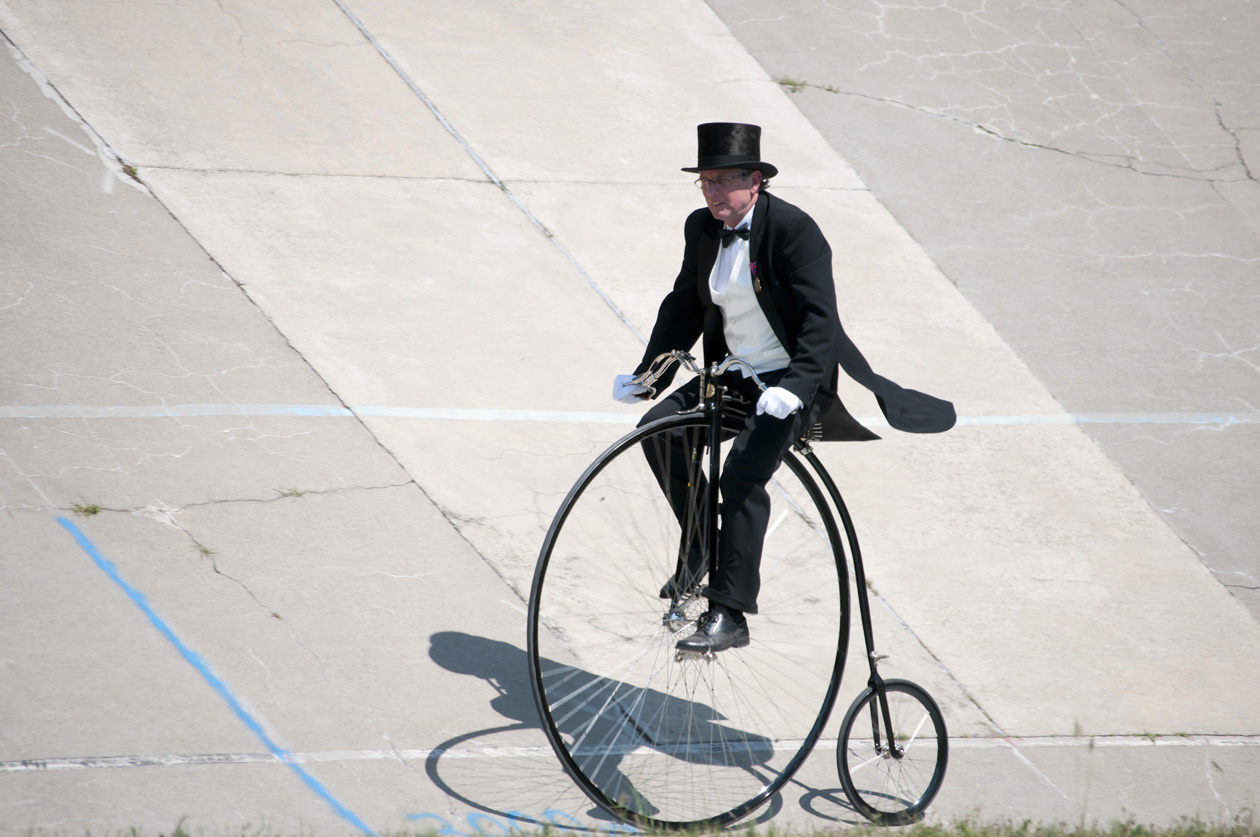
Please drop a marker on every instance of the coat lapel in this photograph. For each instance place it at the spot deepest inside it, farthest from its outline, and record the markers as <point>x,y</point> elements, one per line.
<point>761,217</point>
<point>710,242</point>
<point>761,265</point>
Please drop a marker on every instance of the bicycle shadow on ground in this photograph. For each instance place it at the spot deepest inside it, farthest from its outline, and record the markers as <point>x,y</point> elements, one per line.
<point>468,764</point>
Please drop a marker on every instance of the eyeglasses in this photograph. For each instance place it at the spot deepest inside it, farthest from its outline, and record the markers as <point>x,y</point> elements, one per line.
<point>722,181</point>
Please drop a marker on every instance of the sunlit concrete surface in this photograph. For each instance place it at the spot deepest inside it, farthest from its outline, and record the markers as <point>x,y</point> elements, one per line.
<point>311,314</point>
<point>1085,173</point>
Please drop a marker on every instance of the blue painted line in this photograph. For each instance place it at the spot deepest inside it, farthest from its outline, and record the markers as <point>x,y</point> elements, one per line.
<point>197,662</point>
<point>559,416</point>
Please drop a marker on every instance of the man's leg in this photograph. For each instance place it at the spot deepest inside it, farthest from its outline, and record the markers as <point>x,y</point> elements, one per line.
<point>754,457</point>
<point>669,457</point>
<point>682,480</point>
<point>755,454</point>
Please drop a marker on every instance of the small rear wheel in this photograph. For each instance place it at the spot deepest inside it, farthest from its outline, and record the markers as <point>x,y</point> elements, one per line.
<point>891,776</point>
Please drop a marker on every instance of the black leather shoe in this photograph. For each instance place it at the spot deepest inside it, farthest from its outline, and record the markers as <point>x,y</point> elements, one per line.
<point>716,631</point>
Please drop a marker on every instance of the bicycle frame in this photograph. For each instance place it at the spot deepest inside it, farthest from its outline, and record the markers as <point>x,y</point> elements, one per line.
<point>873,658</point>
<point>713,398</point>
<point>712,401</point>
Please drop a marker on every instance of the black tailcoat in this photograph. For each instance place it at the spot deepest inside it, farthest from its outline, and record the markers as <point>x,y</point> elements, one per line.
<point>791,267</point>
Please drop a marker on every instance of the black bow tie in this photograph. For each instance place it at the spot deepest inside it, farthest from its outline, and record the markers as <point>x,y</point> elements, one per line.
<point>728,235</point>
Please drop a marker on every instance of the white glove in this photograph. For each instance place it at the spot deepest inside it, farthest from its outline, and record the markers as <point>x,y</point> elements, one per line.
<point>778,402</point>
<point>628,393</point>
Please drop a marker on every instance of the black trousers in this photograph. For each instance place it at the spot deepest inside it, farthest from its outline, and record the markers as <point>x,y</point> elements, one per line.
<point>755,454</point>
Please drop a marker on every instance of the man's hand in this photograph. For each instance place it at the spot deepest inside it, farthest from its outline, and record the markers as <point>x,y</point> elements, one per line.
<point>778,402</point>
<point>627,392</point>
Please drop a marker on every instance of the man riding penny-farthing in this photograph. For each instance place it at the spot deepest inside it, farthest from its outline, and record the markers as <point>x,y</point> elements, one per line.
<point>663,701</point>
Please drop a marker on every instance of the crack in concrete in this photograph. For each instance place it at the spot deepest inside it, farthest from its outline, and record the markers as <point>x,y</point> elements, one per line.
<point>164,513</point>
<point>115,169</point>
<point>276,173</point>
<point>318,43</point>
<point>30,287</point>
<point>1208,766</point>
<point>958,684</point>
<point>1125,162</point>
<point>1217,105</point>
<point>454,520</point>
<point>1095,89</point>
<point>485,168</point>
<point>240,27</point>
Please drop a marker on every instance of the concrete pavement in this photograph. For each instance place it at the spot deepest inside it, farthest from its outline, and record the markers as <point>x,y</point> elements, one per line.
<point>1085,174</point>
<point>328,362</point>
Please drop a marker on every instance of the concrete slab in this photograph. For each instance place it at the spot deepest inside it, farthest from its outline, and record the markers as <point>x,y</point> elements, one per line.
<point>85,668</point>
<point>1084,175</point>
<point>1075,782</point>
<point>225,96</point>
<point>462,272</point>
<point>589,93</point>
<point>1057,628</point>
<point>1058,578</point>
<point>226,798</point>
<point>237,498</point>
<point>365,596</point>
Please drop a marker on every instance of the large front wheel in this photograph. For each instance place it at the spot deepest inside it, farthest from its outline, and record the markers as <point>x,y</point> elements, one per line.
<point>657,737</point>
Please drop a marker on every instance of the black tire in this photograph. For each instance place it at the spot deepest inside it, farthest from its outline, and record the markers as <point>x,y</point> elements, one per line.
<point>893,787</point>
<point>658,740</point>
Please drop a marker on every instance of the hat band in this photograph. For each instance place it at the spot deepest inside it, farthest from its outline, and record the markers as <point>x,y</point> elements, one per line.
<point>727,161</point>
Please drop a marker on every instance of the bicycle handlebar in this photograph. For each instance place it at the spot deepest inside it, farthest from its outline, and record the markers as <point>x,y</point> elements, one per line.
<point>661,364</point>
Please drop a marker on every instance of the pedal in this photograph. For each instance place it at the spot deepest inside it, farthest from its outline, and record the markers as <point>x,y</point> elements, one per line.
<point>681,656</point>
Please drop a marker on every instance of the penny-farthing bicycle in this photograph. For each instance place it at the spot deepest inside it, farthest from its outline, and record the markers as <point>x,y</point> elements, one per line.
<point>668,739</point>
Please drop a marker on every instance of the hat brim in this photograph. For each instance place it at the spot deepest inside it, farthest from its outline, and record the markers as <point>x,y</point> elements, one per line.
<point>767,170</point>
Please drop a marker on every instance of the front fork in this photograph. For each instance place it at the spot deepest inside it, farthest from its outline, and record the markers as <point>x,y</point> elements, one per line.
<point>712,394</point>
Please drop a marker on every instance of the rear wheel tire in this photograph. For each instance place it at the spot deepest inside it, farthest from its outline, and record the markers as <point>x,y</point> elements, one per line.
<point>893,785</point>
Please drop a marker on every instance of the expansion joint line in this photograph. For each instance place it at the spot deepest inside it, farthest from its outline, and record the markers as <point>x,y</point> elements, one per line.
<point>489,173</point>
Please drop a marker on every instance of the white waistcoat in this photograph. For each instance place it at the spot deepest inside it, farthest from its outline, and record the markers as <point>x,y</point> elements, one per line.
<point>744,324</point>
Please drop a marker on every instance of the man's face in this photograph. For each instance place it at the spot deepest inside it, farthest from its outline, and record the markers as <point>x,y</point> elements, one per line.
<point>729,195</point>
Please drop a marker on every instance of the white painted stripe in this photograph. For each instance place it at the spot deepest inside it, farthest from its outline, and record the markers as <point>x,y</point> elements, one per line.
<point>557,416</point>
<point>105,762</point>
<point>79,411</point>
<point>1078,742</point>
<point>174,411</point>
<point>1136,741</point>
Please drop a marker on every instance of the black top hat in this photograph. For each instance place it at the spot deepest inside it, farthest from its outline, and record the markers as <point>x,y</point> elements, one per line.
<point>730,145</point>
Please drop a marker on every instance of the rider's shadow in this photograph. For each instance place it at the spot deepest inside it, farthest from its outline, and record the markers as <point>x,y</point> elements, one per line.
<point>520,791</point>
<point>483,768</point>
